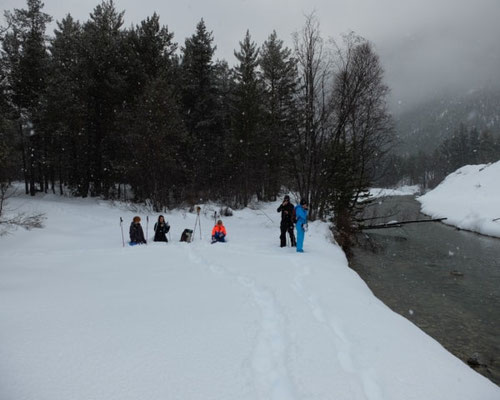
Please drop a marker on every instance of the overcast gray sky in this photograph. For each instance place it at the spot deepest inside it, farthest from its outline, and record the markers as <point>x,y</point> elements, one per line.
<point>426,46</point>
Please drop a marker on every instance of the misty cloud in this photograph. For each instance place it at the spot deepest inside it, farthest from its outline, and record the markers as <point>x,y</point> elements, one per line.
<point>426,46</point>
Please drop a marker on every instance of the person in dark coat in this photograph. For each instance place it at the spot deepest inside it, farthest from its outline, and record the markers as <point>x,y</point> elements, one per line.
<point>287,220</point>
<point>136,232</point>
<point>161,230</point>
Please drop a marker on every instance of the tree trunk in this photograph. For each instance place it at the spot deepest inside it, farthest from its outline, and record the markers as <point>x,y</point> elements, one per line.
<point>23,155</point>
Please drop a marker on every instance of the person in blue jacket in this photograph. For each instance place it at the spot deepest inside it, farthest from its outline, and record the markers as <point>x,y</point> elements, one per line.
<point>301,214</point>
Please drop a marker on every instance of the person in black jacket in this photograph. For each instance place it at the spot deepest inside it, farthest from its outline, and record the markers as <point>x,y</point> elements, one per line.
<point>136,232</point>
<point>161,230</point>
<point>287,220</point>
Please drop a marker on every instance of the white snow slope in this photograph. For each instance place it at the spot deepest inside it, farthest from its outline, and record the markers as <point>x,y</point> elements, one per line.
<point>401,191</point>
<point>469,198</point>
<point>83,318</point>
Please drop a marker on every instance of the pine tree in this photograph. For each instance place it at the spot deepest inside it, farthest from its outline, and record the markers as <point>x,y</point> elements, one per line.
<point>66,111</point>
<point>104,69</point>
<point>280,82</point>
<point>248,150</point>
<point>149,51</point>
<point>157,146</point>
<point>26,57</point>
<point>224,88</point>
<point>199,108</point>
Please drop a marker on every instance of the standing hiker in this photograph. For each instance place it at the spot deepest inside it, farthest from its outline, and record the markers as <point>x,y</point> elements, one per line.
<point>136,232</point>
<point>161,230</point>
<point>301,214</point>
<point>287,221</point>
<point>219,232</point>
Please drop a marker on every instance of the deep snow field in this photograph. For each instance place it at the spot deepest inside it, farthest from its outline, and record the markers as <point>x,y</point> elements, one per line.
<point>83,318</point>
<point>469,198</point>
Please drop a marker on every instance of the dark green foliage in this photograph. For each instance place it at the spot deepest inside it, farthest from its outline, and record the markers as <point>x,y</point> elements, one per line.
<point>66,111</point>
<point>105,110</point>
<point>27,63</point>
<point>247,148</point>
<point>279,84</point>
<point>199,99</point>
<point>156,146</point>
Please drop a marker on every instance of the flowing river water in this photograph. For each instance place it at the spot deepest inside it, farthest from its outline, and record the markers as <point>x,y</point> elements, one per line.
<point>446,281</point>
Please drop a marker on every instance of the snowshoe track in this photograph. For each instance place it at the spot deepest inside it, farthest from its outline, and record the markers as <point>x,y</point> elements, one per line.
<point>268,361</point>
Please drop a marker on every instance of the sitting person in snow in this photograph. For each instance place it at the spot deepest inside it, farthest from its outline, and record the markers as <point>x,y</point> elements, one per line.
<point>161,230</point>
<point>136,232</point>
<point>219,232</point>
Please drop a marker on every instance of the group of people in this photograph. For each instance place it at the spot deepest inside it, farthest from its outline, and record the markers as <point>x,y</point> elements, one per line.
<point>137,234</point>
<point>291,216</point>
<point>161,229</point>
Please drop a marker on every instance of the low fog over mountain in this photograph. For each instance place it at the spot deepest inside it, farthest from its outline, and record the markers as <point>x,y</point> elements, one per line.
<point>427,47</point>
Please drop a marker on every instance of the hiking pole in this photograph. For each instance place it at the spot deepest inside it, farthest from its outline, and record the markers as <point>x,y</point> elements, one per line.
<point>121,227</point>
<point>198,221</point>
<point>147,228</point>
<point>195,224</point>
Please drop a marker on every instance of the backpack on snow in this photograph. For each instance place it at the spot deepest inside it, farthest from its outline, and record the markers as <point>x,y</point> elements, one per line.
<point>187,235</point>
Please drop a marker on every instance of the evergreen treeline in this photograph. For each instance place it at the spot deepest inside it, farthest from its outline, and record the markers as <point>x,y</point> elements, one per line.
<point>466,146</point>
<point>98,109</point>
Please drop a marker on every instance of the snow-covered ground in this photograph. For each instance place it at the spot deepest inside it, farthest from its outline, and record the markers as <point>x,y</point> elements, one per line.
<point>400,191</point>
<point>469,198</point>
<point>83,318</point>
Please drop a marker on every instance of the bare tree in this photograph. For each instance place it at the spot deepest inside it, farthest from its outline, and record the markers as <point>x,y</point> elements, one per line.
<point>311,132</point>
<point>20,219</point>
<point>362,129</point>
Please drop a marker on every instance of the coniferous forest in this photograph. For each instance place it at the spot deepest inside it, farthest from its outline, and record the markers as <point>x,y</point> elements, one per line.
<point>99,109</point>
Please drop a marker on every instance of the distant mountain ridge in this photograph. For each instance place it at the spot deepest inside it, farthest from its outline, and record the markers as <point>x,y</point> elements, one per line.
<point>427,125</point>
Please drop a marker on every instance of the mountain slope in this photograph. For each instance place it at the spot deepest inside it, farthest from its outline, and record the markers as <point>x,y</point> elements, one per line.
<point>425,126</point>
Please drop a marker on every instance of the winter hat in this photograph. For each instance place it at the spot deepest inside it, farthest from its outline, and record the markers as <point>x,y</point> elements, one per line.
<point>287,197</point>
<point>303,202</point>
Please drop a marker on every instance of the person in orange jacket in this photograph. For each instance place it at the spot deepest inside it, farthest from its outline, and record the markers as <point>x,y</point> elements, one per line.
<point>219,232</point>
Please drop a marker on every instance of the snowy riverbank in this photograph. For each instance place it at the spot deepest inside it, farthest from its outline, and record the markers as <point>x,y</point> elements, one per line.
<point>83,318</point>
<point>400,191</point>
<point>469,198</point>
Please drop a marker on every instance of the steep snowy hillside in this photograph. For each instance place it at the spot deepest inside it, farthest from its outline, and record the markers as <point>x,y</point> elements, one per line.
<point>83,318</point>
<point>469,198</point>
